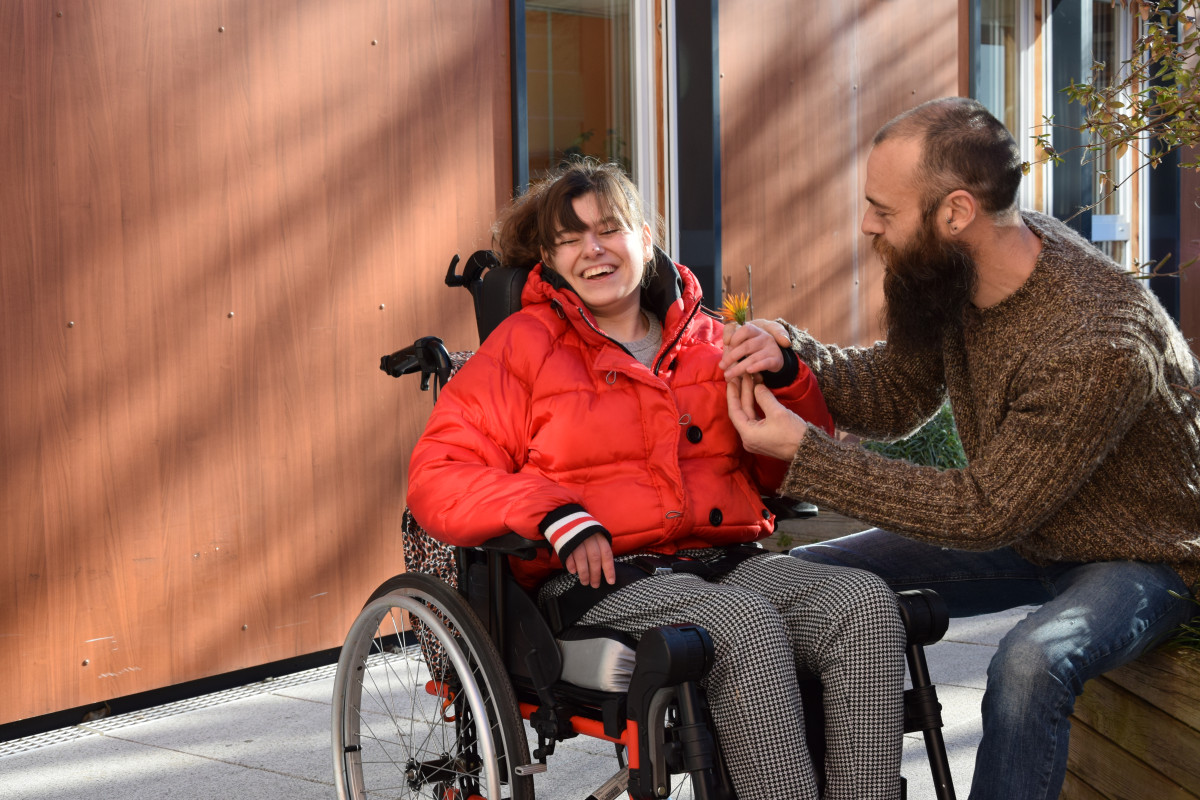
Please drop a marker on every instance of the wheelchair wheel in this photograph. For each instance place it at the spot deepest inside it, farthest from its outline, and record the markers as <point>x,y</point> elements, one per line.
<point>435,719</point>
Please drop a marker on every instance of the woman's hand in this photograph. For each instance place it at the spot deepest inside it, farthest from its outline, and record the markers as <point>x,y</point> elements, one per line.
<point>777,434</point>
<point>592,560</point>
<point>753,348</point>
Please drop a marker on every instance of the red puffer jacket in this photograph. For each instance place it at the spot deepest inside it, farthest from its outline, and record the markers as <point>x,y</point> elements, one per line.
<point>554,430</point>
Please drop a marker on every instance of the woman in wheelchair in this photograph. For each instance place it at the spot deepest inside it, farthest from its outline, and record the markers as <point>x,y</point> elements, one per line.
<point>596,418</point>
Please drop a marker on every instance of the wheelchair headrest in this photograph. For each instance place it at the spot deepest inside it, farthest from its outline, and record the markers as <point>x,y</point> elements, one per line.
<point>499,296</point>
<point>496,289</point>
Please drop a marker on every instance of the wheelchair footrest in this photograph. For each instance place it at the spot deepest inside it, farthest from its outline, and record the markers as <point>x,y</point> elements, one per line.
<point>613,787</point>
<point>530,769</point>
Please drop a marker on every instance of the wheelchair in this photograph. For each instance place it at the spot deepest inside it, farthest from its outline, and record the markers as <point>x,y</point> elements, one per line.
<point>447,661</point>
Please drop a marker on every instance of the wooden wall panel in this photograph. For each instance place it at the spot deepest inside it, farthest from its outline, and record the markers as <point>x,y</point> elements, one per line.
<point>216,215</point>
<point>803,89</point>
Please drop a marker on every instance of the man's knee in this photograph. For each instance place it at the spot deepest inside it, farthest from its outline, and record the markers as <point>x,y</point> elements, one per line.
<point>1029,670</point>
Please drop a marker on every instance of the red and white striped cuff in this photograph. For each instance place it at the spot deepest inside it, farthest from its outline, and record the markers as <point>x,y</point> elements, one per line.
<point>566,527</point>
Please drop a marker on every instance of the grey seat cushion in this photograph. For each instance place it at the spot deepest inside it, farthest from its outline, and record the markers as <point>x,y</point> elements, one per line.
<point>597,658</point>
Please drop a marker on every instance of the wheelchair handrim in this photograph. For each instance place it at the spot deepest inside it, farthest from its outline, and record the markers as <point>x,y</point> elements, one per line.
<point>345,726</point>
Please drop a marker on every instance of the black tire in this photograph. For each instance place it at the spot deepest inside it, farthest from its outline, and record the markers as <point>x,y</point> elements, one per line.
<point>407,717</point>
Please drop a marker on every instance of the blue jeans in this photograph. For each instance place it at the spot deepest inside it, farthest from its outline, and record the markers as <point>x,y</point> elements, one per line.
<point>1092,617</point>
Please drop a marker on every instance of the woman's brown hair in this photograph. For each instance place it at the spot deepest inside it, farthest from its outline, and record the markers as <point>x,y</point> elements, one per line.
<point>528,227</point>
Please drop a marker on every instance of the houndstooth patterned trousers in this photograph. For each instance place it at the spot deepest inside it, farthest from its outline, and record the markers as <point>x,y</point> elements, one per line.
<point>772,618</point>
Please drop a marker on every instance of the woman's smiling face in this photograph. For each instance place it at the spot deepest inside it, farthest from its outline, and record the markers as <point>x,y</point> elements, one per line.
<point>604,261</point>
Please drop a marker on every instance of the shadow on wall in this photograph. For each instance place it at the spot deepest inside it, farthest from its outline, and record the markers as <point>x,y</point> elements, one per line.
<point>803,90</point>
<point>223,215</point>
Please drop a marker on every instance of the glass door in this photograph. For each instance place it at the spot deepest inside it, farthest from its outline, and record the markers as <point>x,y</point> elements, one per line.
<point>579,79</point>
<point>1114,194</point>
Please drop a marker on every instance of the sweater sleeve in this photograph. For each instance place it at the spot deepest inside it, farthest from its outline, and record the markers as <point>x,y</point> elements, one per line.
<point>876,392</point>
<point>466,484</point>
<point>1068,413</point>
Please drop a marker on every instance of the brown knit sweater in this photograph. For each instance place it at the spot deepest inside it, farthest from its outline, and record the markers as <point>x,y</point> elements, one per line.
<point>1082,443</point>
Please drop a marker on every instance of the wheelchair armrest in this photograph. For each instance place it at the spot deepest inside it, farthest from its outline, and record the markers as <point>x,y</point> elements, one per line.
<point>514,544</point>
<point>924,615</point>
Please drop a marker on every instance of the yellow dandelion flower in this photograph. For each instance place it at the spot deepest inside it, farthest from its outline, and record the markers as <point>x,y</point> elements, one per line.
<point>735,307</point>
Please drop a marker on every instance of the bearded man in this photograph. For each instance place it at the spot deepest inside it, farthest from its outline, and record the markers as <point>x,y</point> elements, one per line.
<point>1074,396</point>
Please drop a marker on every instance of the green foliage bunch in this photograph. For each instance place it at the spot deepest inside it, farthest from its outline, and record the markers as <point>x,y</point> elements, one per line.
<point>936,444</point>
<point>1153,104</point>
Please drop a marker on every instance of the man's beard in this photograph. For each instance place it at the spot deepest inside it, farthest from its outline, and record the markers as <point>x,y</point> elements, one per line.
<point>927,287</point>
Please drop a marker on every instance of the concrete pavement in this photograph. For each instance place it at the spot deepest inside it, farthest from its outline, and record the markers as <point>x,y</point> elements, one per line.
<point>271,740</point>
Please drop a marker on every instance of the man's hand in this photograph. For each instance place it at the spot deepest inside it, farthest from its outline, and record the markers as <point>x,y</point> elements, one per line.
<point>592,560</point>
<point>777,433</point>
<point>753,348</point>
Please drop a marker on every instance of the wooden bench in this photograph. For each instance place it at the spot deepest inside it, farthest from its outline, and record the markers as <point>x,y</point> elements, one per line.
<point>1135,733</point>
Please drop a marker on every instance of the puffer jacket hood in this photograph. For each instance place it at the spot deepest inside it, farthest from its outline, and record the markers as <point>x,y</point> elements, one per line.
<point>672,294</point>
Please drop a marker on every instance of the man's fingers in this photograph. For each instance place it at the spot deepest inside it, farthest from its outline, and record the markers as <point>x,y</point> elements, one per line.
<point>747,393</point>
<point>737,413</point>
<point>733,398</point>
<point>765,398</point>
<point>768,402</point>
<point>742,409</point>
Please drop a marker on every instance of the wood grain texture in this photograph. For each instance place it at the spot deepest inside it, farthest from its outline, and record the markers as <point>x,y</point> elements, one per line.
<point>1114,774</point>
<point>1074,788</point>
<point>216,216</point>
<point>1135,731</point>
<point>1143,732</point>
<point>804,87</point>
<point>1167,679</point>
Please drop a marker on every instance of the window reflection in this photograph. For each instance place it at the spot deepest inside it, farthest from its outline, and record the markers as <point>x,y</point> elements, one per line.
<point>999,62</point>
<point>578,73</point>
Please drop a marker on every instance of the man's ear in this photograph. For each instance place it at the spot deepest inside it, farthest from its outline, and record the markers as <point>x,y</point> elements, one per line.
<point>957,211</point>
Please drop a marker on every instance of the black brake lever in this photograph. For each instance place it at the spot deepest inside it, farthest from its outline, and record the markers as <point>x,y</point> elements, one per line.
<point>401,362</point>
<point>427,355</point>
<point>434,361</point>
